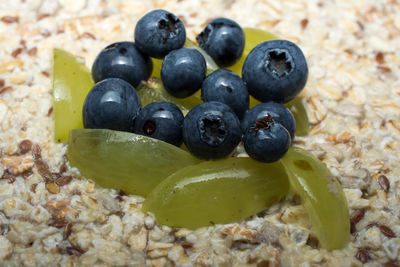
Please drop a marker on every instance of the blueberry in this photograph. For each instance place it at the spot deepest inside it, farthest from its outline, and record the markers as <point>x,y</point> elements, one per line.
<point>122,60</point>
<point>226,87</point>
<point>223,39</point>
<point>275,70</point>
<point>266,140</point>
<point>159,32</point>
<point>182,72</point>
<point>111,104</point>
<point>211,130</point>
<point>278,112</point>
<point>161,120</point>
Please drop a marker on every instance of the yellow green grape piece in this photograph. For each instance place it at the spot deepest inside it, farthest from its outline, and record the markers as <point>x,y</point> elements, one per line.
<point>122,160</point>
<point>71,83</point>
<point>211,65</point>
<point>300,116</point>
<point>215,192</point>
<point>321,196</point>
<point>253,37</point>
<point>156,67</point>
<point>154,91</point>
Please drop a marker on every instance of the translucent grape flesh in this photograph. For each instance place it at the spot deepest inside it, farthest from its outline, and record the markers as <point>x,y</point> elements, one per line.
<point>321,196</point>
<point>217,192</point>
<point>121,160</point>
<point>71,83</point>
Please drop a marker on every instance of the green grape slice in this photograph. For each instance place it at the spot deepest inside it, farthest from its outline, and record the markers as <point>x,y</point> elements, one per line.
<point>300,116</point>
<point>214,192</point>
<point>211,65</point>
<point>71,83</point>
<point>154,91</point>
<point>321,196</point>
<point>122,160</point>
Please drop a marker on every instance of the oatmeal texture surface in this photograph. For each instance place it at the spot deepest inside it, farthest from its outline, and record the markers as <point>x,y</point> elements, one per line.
<point>51,216</point>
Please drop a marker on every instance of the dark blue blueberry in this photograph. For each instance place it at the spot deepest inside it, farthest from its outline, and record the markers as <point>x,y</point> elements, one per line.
<point>223,39</point>
<point>161,120</point>
<point>159,32</point>
<point>226,87</point>
<point>211,130</point>
<point>182,72</point>
<point>122,60</point>
<point>266,140</point>
<point>111,104</point>
<point>275,71</point>
<point>278,112</point>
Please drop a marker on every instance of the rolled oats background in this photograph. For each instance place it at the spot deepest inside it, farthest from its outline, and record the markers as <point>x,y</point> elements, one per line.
<point>51,216</point>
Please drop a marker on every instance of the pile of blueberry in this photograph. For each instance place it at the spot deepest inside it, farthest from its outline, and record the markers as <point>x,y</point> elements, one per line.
<point>274,72</point>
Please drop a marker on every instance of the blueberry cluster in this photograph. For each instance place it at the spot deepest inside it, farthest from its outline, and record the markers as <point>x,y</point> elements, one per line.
<point>274,72</point>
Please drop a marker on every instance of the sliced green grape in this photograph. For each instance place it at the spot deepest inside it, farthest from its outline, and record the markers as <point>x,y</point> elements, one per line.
<point>217,192</point>
<point>156,67</point>
<point>154,91</point>
<point>127,161</point>
<point>300,116</point>
<point>71,83</point>
<point>253,37</point>
<point>321,196</point>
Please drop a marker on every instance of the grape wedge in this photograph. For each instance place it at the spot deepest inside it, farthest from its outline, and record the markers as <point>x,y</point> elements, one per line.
<point>71,84</point>
<point>300,116</point>
<point>154,91</point>
<point>122,160</point>
<point>214,192</point>
<point>321,196</point>
<point>211,65</point>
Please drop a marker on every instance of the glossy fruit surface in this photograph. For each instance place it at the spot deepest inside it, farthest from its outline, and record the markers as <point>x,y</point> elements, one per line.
<point>71,83</point>
<point>253,37</point>
<point>300,116</point>
<point>159,32</point>
<point>266,140</point>
<point>215,192</point>
<point>226,87</point>
<point>223,39</point>
<point>161,120</point>
<point>275,70</point>
<point>122,60</point>
<point>111,104</point>
<point>211,130</point>
<point>322,197</point>
<point>183,71</point>
<point>154,91</point>
<point>279,113</point>
<point>127,161</point>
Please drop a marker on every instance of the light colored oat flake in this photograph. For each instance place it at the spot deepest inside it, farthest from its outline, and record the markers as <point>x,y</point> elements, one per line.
<point>51,216</point>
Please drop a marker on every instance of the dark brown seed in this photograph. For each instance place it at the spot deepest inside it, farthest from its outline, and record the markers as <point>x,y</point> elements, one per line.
<point>6,89</point>
<point>43,169</point>
<point>384,183</point>
<point>119,198</point>
<point>45,73</point>
<point>27,173</point>
<point>49,112</point>
<point>36,151</point>
<point>352,227</point>
<point>16,52</point>
<point>384,69</point>
<point>9,19</point>
<point>67,231</point>
<point>64,180</point>
<point>8,176</point>
<point>386,231</point>
<point>11,179</point>
<point>121,192</point>
<point>32,51</point>
<point>59,223</point>
<point>43,16</point>
<point>25,146</point>
<point>63,167</point>
<point>357,215</point>
<point>312,242</point>
<point>304,23</point>
<point>33,188</point>
<point>23,43</point>
<point>2,82</point>
<point>75,251</point>
<point>362,255</point>
<point>380,58</point>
